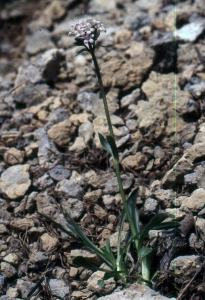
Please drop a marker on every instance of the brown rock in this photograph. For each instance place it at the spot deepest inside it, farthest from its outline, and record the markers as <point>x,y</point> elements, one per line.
<point>13,156</point>
<point>49,243</point>
<point>195,202</point>
<point>62,133</point>
<point>22,224</point>
<point>136,161</point>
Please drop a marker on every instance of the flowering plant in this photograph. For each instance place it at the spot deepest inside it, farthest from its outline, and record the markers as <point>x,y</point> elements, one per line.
<point>86,32</point>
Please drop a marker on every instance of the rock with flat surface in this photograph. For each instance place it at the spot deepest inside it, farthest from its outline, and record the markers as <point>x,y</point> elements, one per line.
<point>70,189</point>
<point>61,133</point>
<point>14,182</point>
<point>195,202</point>
<point>39,41</point>
<point>185,267</point>
<point>59,288</point>
<point>135,292</point>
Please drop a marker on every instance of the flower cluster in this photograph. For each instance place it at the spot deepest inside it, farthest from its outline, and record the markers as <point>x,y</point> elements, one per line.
<point>87,30</point>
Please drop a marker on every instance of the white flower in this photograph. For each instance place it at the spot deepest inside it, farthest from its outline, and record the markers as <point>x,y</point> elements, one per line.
<point>87,29</point>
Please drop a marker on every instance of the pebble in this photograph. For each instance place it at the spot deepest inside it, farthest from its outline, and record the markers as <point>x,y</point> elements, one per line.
<point>14,182</point>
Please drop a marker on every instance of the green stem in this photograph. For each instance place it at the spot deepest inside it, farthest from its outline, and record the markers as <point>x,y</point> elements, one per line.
<point>116,162</point>
<point>124,201</point>
<point>91,50</point>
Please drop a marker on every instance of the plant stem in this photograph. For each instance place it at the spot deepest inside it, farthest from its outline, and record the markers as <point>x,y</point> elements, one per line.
<point>102,91</point>
<point>116,162</point>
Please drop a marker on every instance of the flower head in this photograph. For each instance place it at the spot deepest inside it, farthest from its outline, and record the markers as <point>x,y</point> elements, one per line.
<point>87,30</point>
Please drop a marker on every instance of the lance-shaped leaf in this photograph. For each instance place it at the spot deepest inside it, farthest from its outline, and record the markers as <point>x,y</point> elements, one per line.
<point>155,221</point>
<point>113,146</point>
<point>83,262</point>
<point>105,144</point>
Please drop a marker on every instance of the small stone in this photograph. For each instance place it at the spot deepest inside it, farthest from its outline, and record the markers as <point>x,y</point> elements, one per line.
<point>132,124</point>
<point>123,140</point>
<point>195,242</point>
<point>44,68</point>
<point>22,224</point>
<point>92,197</point>
<point>78,145</point>
<point>3,229</point>
<point>43,182</point>
<point>37,259</point>
<point>49,243</point>
<point>59,288</point>
<point>14,156</point>
<point>25,287</point>
<point>7,270</point>
<point>131,99</point>
<point>12,292</point>
<point>61,133</point>
<point>14,182</point>
<point>190,179</point>
<point>150,206</point>
<point>136,161</point>
<point>88,254</point>
<point>99,211</point>
<point>190,32</point>
<point>74,207</point>
<point>39,41</point>
<point>176,174</point>
<point>11,258</point>
<point>196,152</point>
<point>55,11</point>
<point>200,225</point>
<point>70,189</point>
<point>44,146</point>
<point>86,131</point>
<point>98,181</point>
<point>46,204</point>
<point>73,272</point>
<point>165,197</point>
<point>78,119</point>
<point>59,173</point>
<point>200,175</point>
<point>109,201</point>
<point>185,266</point>
<point>109,286</point>
<point>77,178</point>
<point>195,202</point>
<point>111,186</point>
<point>58,115</point>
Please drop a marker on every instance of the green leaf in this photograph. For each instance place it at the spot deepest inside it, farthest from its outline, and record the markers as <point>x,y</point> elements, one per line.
<point>109,250</point>
<point>82,262</point>
<point>57,225</point>
<point>167,225</point>
<point>116,274</point>
<point>105,144</point>
<point>131,201</point>
<point>146,263</point>
<point>113,146</point>
<point>155,221</point>
<point>101,283</point>
<point>85,240</point>
<point>144,251</point>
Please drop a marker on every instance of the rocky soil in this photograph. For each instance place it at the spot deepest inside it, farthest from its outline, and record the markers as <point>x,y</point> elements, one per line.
<point>51,160</point>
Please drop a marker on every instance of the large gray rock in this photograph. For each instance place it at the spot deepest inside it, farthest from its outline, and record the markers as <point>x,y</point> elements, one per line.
<point>136,292</point>
<point>39,41</point>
